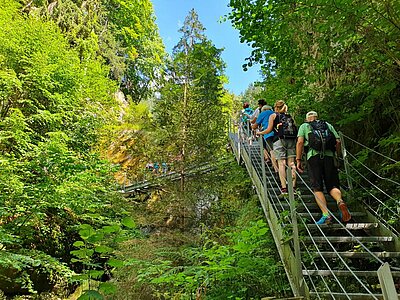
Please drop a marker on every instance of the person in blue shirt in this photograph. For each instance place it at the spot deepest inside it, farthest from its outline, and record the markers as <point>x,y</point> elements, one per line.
<point>262,123</point>
<point>247,111</point>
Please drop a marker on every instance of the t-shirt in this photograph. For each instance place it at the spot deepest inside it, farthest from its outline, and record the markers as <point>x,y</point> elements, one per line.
<point>246,113</point>
<point>255,114</point>
<point>305,129</point>
<point>263,119</point>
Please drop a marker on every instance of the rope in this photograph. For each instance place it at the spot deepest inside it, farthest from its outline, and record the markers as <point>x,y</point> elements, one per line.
<point>366,147</point>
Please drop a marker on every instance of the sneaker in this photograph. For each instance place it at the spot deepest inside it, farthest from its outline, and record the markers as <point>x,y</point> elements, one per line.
<point>344,211</point>
<point>324,220</point>
<point>284,193</point>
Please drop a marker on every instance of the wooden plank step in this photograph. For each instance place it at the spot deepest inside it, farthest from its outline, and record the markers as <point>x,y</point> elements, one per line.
<point>349,226</point>
<point>349,239</point>
<point>345,273</point>
<point>348,254</point>
<point>341,296</point>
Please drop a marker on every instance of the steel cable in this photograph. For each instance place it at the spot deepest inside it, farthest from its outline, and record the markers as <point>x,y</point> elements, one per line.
<point>366,147</point>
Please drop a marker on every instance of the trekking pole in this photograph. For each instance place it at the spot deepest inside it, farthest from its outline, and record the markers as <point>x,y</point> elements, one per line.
<point>345,161</point>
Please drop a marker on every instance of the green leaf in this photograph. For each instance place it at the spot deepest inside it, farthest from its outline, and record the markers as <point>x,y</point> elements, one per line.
<point>111,229</point>
<point>78,244</point>
<point>115,263</point>
<point>103,249</point>
<point>96,274</point>
<point>128,222</point>
<point>107,288</point>
<point>86,231</point>
<point>91,295</point>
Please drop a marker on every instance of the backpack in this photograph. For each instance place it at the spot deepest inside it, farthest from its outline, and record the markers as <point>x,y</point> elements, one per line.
<point>284,126</point>
<point>321,138</point>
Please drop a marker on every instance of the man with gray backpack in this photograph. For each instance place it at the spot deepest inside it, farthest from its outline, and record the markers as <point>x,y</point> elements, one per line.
<point>321,141</point>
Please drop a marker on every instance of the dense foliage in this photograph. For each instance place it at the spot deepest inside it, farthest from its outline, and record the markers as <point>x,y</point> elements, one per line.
<point>57,88</point>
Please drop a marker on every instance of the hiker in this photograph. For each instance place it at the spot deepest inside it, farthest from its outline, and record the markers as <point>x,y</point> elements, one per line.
<point>164,167</point>
<point>149,166</point>
<point>321,141</point>
<point>246,113</point>
<point>284,142</point>
<point>262,123</point>
<point>156,168</point>
<point>257,111</point>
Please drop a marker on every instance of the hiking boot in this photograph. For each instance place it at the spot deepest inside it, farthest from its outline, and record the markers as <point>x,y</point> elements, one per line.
<point>284,193</point>
<point>344,211</point>
<point>324,220</point>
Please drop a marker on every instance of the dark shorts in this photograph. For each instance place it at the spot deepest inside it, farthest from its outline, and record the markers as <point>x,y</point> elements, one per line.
<point>323,170</point>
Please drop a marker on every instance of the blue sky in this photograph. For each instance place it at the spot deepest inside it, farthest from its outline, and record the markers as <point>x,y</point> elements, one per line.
<point>170,17</point>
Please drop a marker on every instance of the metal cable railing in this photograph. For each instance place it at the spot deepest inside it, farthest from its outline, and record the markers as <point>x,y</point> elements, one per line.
<point>354,238</point>
<point>370,149</point>
<point>271,185</point>
<point>372,171</point>
<point>317,268</point>
<point>374,211</point>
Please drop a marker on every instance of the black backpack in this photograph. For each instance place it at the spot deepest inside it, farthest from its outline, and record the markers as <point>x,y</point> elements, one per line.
<point>321,138</point>
<point>284,126</point>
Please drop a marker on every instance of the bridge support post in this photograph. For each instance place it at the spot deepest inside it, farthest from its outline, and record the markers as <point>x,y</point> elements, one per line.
<point>387,283</point>
<point>297,270</point>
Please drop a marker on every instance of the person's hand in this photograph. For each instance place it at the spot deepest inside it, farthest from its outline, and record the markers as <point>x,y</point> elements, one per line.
<point>299,166</point>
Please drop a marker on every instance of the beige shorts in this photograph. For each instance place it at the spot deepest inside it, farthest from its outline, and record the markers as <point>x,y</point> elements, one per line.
<point>285,148</point>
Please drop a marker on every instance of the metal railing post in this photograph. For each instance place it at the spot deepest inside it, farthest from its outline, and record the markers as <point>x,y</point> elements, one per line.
<point>387,283</point>
<point>264,175</point>
<point>345,162</point>
<point>295,232</point>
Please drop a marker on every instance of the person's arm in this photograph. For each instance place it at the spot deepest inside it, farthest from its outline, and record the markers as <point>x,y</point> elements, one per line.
<point>338,143</point>
<point>255,125</point>
<point>299,153</point>
<point>270,125</point>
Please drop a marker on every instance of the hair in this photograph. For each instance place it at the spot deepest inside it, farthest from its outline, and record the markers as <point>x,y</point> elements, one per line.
<point>262,102</point>
<point>245,105</point>
<point>280,106</point>
<point>266,107</point>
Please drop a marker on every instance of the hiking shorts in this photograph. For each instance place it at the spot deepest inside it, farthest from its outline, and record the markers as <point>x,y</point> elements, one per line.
<point>284,148</point>
<point>323,170</point>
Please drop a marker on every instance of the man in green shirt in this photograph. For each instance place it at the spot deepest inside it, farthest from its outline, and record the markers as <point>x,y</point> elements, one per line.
<point>321,167</point>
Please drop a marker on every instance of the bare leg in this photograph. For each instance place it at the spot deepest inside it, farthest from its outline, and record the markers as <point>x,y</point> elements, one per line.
<point>321,201</point>
<point>282,172</point>
<point>336,194</point>
<point>293,167</point>
<point>274,162</point>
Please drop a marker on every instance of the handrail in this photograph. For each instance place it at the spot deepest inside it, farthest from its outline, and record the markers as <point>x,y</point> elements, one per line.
<point>271,184</point>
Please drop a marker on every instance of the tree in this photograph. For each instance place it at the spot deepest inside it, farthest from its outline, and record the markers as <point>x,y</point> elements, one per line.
<point>189,111</point>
